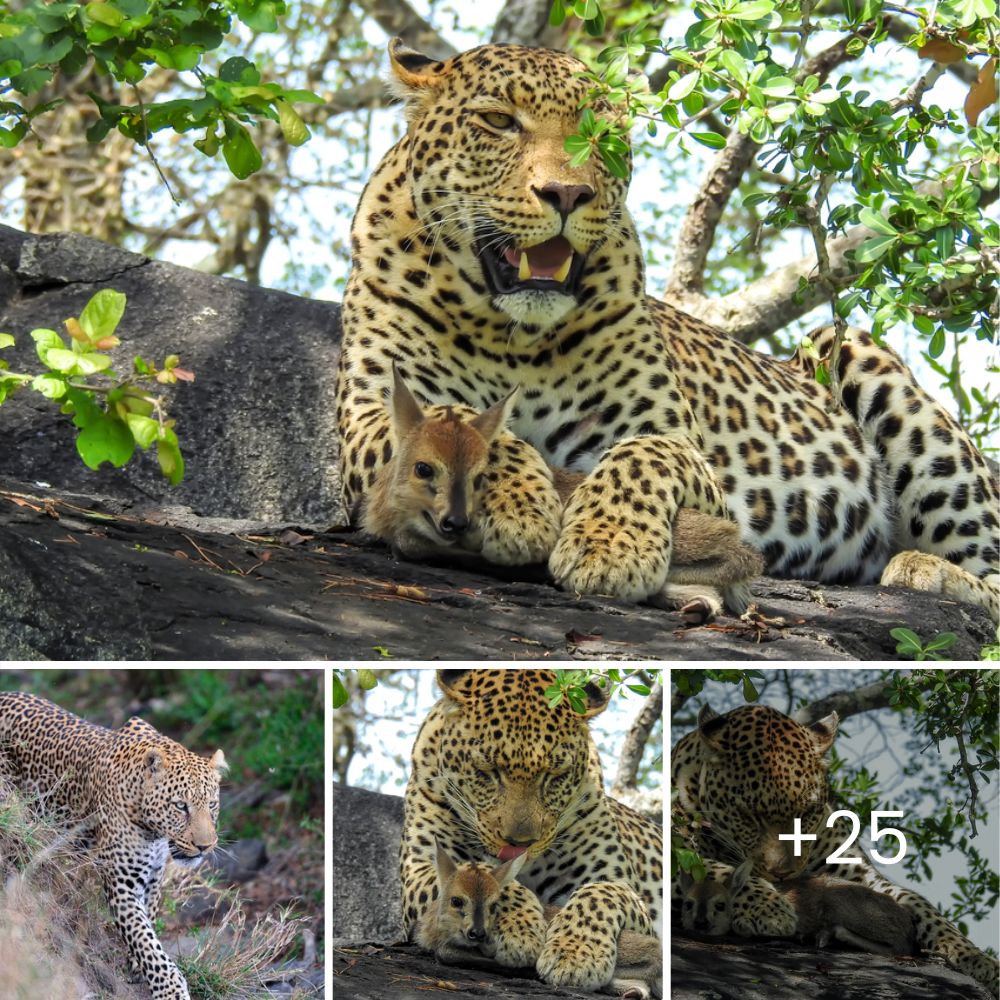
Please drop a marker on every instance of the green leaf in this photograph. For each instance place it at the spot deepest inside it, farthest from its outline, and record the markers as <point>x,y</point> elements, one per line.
<point>715,141</point>
<point>905,635</point>
<point>682,87</point>
<point>241,155</point>
<point>293,128</point>
<point>936,347</point>
<point>339,693</point>
<point>367,680</point>
<point>752,10</point>
<point>49,385</point>
<point>168,454</point>
<point>6,340</point>
<point>145,430</point>
<point>239,70</point>
<point>105,440</point>
<point>734,64</point>
<point>749,691</point>
<point>260,16</point>
<point>102,314</point>
<point>103,13</point>
<point>877,221</point>
<point>873,249</point>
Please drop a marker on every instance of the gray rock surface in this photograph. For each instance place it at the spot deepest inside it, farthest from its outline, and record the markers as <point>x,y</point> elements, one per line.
<point>782,970</point>
<point>366,891</point>
<point>256,426</point>
<point>83,578</point>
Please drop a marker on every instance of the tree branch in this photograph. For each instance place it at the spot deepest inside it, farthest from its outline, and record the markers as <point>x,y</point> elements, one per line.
<point>635,742</point>
<point>846,703</point>
<point>526,22</point>
<point>397,17</point>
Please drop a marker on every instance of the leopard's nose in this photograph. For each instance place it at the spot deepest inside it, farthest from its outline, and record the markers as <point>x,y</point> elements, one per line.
<point>564,198</point>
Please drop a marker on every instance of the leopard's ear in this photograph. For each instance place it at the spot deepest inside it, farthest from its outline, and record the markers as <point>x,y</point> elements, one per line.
<point>412,73</point>
<point>218,762</point>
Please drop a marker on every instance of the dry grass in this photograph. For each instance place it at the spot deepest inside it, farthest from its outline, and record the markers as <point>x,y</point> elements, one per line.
<point>57,940</point>
<point>55,937</point>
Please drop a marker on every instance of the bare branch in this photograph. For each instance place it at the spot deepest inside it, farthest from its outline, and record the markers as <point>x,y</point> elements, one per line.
<point>397,17</point>
<point>526,22</point>
<point>846,703</point>
<point>635,742</point>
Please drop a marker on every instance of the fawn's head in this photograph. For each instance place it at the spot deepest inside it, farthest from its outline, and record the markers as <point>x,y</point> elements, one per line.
<point>469,895</point>
<point>707,905</point>
<point>440,465</point>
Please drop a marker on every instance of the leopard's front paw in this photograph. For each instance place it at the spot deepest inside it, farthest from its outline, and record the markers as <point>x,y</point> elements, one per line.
<point>519,938</point>
<point>604,556</point>
<point>572,957</point>
<point>521,528</point>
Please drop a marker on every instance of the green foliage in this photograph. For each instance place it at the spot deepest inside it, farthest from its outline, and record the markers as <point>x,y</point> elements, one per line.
<point>127,39</point>
<point>272,735</point>
<point>114,414</point>
<point>908,643</point>
<point>571,685</point>
<point>689,682</point>
<point>366,681</point>
<point>837,152</point>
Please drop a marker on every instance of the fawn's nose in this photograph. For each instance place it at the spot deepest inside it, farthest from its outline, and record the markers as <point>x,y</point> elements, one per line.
<point>454,524</point>
<point>564,198</point>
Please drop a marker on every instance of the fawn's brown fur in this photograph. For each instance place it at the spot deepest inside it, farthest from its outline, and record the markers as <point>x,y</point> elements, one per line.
<point>427,496</point>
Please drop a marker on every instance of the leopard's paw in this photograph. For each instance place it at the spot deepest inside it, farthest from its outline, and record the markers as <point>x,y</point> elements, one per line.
<point>573,958</point>
<point>934,575</point>
<point>520,529</point>
<point>519,938</point>
<point>601,556</point>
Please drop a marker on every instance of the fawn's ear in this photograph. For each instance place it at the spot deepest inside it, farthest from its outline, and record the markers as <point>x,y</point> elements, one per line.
<point>491,422</point>
<point>406,412</point>
<point>412,75</point>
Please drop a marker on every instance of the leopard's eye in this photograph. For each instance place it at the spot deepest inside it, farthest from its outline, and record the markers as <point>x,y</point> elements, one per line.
<point>498,120</point>
<point>183,806</point>
<point>423,471</point>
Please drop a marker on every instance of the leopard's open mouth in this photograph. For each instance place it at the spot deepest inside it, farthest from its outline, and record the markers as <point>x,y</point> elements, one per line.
<point>552,266</point>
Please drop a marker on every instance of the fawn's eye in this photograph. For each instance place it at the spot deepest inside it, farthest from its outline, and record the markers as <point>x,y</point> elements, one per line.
<point>498,120</point>
<point>423,471</point>
<point>457,902</point>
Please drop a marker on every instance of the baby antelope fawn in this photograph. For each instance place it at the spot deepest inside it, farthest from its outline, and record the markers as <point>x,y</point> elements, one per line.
<point>426,498</point>
<point>460,926</point>
<point>826,908</point>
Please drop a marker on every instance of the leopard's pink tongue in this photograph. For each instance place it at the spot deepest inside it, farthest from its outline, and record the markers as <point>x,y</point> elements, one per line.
<point>551,259</point>
<point>508,852</point>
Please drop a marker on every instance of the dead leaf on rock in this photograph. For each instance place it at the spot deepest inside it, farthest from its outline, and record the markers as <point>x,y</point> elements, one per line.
<point>291,537</point>
<point>577,637</point>
<point>982,93</point>
<point>181,555</point>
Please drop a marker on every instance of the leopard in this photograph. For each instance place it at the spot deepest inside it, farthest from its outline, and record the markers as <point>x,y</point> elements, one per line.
<point>427,501</point>
<point>460,925</point>
<point>132,797</point>
<point>739,781</point>
<point>483,257</point>
<point>498,772</point>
